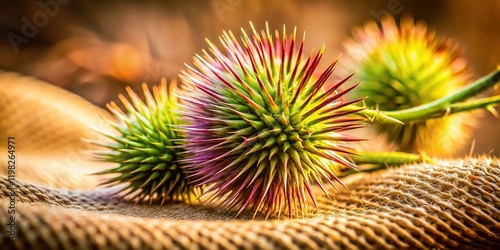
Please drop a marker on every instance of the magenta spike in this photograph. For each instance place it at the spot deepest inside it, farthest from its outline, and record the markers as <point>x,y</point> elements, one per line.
<point>319,83</point>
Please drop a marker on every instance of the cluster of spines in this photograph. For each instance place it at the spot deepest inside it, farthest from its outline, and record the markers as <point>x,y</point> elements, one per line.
<point>146,147</point>
<point>262,128</point>
<point>404,67</point>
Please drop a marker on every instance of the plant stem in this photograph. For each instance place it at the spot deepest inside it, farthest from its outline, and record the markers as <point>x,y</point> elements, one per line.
<point>467,106</point>
<point>429,109</point>
<point>447,105</point>
<point>374,115</point>
<point>389,158</point>
<point>380,160</point>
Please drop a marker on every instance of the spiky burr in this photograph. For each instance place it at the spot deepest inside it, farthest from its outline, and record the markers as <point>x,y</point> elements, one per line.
<point>263,129</point>
<point>147,147</point>
<point>406,66</point>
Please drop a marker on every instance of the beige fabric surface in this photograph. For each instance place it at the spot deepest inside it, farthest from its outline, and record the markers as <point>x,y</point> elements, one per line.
<point>452,204</point>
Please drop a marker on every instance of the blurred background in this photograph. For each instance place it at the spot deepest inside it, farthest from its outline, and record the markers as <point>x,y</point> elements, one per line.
<point>96,48</point>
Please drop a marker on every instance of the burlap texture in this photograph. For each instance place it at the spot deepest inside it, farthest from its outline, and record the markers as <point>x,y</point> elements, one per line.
<point>445,205</point>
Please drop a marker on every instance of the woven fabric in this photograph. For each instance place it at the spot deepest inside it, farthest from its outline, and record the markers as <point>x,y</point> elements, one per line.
<point>444,205</point>
<point>451,204</point>
<point>48,124</point>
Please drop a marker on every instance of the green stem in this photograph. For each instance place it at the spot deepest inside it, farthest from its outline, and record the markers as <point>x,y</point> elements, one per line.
<point>389,158</point>
<point>427,110</point>
<point>440,107</point>
<point>380,160</point>
<point>374,115</point>
<point>467,106</point>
